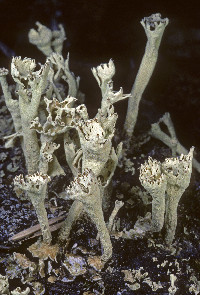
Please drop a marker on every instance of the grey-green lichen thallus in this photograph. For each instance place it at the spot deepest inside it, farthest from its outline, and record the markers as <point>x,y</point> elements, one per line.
<point>166,182</point>
<point>48,112</point>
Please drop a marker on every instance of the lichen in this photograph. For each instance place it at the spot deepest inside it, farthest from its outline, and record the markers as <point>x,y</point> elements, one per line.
<point>55,130</point>
<point>166,183</point>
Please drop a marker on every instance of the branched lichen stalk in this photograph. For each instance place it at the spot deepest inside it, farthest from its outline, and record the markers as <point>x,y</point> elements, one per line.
<point>72,81</point>
<point>96,153</point>
<point>103,74</point>
<point>31,85</point>
<point>171,141</point>
<point>47,157</point>
<point>46,40</point>
<point>63,71</point>
<point>12,104</point>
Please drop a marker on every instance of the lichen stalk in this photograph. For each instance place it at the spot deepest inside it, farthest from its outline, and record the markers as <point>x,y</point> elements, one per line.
<point>118,205</point>
<point>72,216</point>
<point>172,200</point>
<point>154,181</point>
<point>98,219</point>
<point>12,104</point>
<point>31,149</point>
<point>35,186</point>
<point>31,85</point>
<point>86,189</point>
<point>171,141</point>
<point>42,217</point>
<point>178,173</point>
<point>154,36</point>
<point>104,74</point>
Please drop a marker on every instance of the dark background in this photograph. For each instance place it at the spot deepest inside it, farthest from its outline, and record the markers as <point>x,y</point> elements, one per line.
<point>99,30</point>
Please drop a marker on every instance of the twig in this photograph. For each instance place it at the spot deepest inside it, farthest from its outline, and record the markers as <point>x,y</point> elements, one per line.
<point>36,229</point>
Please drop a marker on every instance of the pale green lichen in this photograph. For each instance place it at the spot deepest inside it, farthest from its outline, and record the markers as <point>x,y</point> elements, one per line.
<point>46,40</point>
<point>35,186</point>
<point>118,205</point>
<point>86,189</point>
<point>154,27</point>
<point>31,85</point>
<point>4,285</point>
<point>170,139</point>
<point>178,173</point>
<point>18,291</point>
<point>95,148</point>
<point>45,112</point>
<point>166,183</point>
<point>154,181</point>
<point>104,74</point>
<point>4,288</point>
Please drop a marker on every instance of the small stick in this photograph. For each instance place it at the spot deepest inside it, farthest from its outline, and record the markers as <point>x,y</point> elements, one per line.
<point>52,228</point>
<point>36,228</point>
